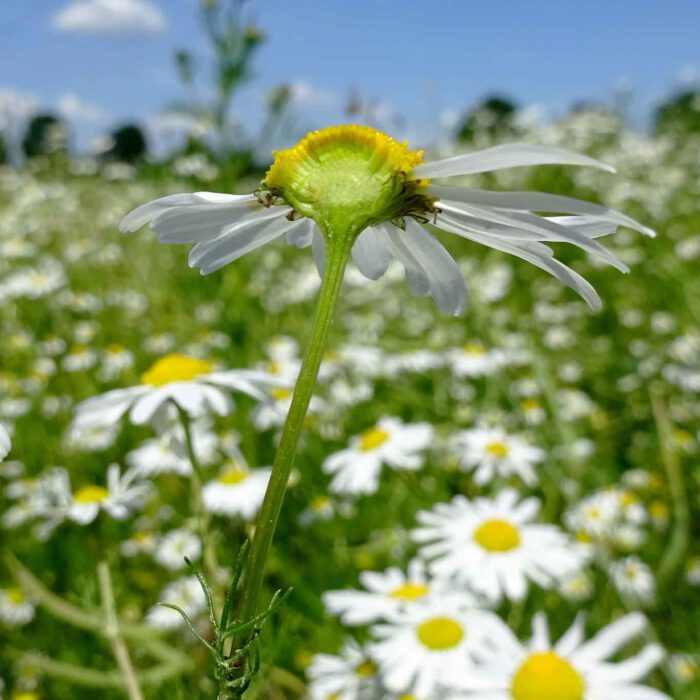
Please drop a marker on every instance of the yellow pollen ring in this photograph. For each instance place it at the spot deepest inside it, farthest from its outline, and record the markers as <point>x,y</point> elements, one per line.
<point>366,669</point>
<point>497,535</point>
<point>233,477</point>
<point>497,449</point>
<point>547,676</point>
<point>317,145</point>
<point>175,368</point>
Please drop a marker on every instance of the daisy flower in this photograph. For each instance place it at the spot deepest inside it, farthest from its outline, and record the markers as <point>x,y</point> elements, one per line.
<point>5,442</point>
<point>425,648</point>
<point>493,546</point>
<point>187,594</point>
<point>15,609</point>
<point>238,491</point>
<point>348,676</point>
<point>491,452</point>
<point>381,193</point>
<point>571,669</point>
<point>385,594</point>
<point>474,360</point>
<point>633,579</point>
<point>174,546</point>
<point>118,499</point>
<point>356,469</point>
<point>190,383</point>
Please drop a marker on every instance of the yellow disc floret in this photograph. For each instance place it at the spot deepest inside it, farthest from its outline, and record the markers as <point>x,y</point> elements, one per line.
<point>547,676</point>
<point>175,368</point>
<point>348,177</point>
<point>497,535</point>
<point>440,633</point>
<point>410,591</point>
<point>91,494</point>
<point>373,438</point>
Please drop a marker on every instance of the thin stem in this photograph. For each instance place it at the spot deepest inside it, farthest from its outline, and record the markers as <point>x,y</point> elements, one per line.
<point>680,535</point>
<point>201,517</point>
<point>269,513</point>
<point>112,632</point>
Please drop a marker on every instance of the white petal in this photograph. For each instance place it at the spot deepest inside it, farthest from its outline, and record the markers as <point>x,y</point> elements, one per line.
<point>506,156</point>
<point>612,638</point>
<point>301,233</point>
<point>179,204</point>
<point>212,255</point>
<point>446,281</point>
<point>630,670</point>
<point>415,276</point>
<point>536,201</point>
<point>371,254</point>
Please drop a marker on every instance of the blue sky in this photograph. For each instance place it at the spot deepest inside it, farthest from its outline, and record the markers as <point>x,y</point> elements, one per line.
<point>419,59</point>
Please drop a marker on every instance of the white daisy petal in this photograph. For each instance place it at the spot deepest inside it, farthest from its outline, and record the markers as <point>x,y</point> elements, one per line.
<point>506,156</point>
<point>371,254</point>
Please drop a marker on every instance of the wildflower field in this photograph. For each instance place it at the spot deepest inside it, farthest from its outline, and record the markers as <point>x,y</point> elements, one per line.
<point>530,423</point>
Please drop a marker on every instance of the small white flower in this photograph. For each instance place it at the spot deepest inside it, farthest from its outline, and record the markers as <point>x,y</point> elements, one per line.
<point>348,676</point>
<point>118,499</point>
<point>385,594</point>
<point>491,452</point>
<point>238,491</point>
<point>5,442</point>
<point>187,594</point>
<point>474,360</point>
<point>634,579</point>
<point>400,446</point>
<point>571,669</point>
<point>190,383</point>
<point>425,648</point>
<point>493,546</point>
<point>15,609</point>
<point>174,546</point>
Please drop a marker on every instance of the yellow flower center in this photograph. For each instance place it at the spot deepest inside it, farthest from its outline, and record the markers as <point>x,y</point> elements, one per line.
<point>91,494</point>
<point>531,405</point>
<point>319,502</point>
<point>476,349</point>
<point>15,596</point>
<point>348,176</point>
<point>410,591</point>
<point>497,535</point>
<point>366,669</point>
<point>498,449</point>
<point>175,368</point>
<point>25,696</point>
<point>373,438</point>
<point>281,394</point>
<point>440,633</point>
<point>233,476</point>
<point>546,676</point>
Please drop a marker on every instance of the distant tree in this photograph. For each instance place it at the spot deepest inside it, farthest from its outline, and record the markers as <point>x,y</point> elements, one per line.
<point>680,114</point>
<point>46,134</point>
<point>128,144</point>
<point>494,115</point>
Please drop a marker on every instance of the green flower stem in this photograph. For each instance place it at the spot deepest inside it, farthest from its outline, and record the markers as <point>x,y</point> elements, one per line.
<point>338,251</point>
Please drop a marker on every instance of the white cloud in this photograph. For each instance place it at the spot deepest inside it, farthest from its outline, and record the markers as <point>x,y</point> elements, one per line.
<point>110,17</point>
<point>73,108</point>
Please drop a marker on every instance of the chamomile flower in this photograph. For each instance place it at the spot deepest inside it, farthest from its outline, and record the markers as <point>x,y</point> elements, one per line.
<point>238,491</point>
<point>174,546</point>
<point>5,442</point>
<point>425,648</point>
<point>190,383</point>
<point>494,547</point>
<point>15,609</point>
<point>633,579</point>
<point>385,594</point>
<point>356,469</point>
<point>571,669</point>
<point>474,360</point>
<point>357,181</point>
<point>187,594</point>
<point>491,452</point>
<point>350,675</point>
<point>121,495</point>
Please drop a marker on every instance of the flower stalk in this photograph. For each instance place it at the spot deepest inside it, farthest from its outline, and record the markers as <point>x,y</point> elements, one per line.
<point>338,252</point>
